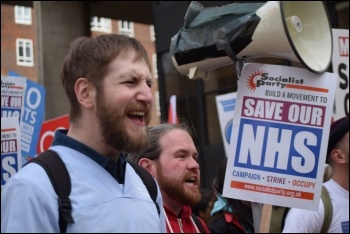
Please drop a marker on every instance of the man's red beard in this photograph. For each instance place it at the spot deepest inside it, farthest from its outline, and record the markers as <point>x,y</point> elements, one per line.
<point>174,188</point>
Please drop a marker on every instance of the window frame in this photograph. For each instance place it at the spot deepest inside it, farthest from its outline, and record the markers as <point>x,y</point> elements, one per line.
<point>128,30</point>
<point>20,15</point>
<point>27,46</point>
<point>101,24</point>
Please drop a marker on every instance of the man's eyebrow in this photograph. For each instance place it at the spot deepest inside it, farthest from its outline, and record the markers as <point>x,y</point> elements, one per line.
<point>185,151</point>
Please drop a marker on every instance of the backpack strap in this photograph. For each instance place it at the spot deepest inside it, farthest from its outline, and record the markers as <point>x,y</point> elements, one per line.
<point>149,182</point>
<point>284,215</point>
<point>60,179</point>
<point>328,210</point>
<point>278,217</point>
<point>279,213</point>
<point>198,223</point>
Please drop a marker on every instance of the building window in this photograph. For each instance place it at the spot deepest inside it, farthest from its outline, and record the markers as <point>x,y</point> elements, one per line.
<point>23,15</point>
<point>152,33</point>
<point>101,24</point>
<point>154,66</point>
<point>126,27</point>
<point>24,52</point>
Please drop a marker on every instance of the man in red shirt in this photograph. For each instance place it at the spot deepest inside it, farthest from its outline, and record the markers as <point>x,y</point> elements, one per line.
<point>171,157</point>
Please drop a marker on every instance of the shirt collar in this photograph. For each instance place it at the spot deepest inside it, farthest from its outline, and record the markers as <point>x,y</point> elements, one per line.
<point>117,170</point>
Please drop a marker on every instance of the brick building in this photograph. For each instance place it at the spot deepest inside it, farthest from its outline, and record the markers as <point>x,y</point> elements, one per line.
<point>20,51</point>
<point>18,41</point>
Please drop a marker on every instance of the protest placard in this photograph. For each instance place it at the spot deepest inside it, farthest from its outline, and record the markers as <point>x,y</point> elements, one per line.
<point>340,64</point>
<point>32,116</point>
<point>48,130</point>
<point>279,136</point>
<point>12,97</point>
<point>11,160</point>
<point>225,105</point>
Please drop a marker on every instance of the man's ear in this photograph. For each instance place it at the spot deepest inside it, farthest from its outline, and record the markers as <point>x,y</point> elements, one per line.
<point>148,165</point>
<point>338,156</point>
<point>85,92</point>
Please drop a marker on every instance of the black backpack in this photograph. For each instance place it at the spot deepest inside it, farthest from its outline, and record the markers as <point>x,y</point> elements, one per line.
<point>60,179</point>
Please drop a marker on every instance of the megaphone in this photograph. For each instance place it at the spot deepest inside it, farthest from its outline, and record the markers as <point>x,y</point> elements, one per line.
<point>299,31</point>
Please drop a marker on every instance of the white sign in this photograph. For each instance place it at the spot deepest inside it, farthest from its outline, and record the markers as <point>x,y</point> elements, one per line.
<point>12,97</point>
<point>279,139</point>
<point>340,64</point>
<point>11,160</point>
<point>225,105</point>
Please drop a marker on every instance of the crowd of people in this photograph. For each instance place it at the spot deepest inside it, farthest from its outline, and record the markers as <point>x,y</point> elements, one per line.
<point>108,83</point>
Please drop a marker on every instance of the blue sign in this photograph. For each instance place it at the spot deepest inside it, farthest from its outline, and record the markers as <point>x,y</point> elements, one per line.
<point>32,118</point>
<point>279,148</point>
<point>228,130</point>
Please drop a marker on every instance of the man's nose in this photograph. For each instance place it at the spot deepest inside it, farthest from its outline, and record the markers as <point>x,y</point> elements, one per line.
<point>145,94</point>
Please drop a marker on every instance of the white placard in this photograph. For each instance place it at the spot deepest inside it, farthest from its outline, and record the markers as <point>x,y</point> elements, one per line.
<point>11,160</point>
<point>279,137</point>
<point>225,105</point>
<point>340,63</point>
